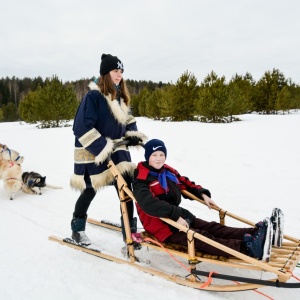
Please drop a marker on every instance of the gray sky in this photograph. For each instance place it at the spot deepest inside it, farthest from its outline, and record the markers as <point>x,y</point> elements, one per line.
<point>156,40</point>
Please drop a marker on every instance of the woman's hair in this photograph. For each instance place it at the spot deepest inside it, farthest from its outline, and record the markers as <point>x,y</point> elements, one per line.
<point>107,87</point>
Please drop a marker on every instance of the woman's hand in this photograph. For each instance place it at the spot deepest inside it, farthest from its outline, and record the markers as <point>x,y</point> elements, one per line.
<point>209,202</point>
<point>183,222</point>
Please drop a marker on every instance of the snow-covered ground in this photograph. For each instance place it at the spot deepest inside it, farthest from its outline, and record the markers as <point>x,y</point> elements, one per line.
<point>249,166</point>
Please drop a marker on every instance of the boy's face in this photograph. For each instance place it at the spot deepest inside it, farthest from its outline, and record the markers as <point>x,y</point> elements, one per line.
<point>157,159</point>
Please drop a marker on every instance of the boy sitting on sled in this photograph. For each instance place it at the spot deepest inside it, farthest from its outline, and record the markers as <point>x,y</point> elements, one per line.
<point>157,190</point>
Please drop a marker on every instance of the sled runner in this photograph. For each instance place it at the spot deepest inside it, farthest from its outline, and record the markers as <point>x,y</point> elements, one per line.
<point>278,269</point>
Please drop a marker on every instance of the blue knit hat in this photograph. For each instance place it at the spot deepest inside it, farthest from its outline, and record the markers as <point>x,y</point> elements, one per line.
<point>109,63</point>
<point>152,146</point>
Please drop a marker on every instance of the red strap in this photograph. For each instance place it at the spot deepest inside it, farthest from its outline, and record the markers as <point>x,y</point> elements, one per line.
<point>209,280</point>
<point>294,275</point>
<point>160,245</point>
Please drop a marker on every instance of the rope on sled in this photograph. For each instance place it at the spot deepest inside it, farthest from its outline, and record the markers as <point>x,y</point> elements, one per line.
<point>294,275</point>
<point>258,292</point>
<point>165,249</point>
<point>208,281</point>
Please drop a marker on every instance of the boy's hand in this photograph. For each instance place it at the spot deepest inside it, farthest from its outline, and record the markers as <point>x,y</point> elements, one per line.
<point>209,202</point>
<point>183,222</point>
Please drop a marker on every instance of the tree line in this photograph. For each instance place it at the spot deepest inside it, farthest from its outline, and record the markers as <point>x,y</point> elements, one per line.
<point>52,103</point>
<point>215,100</point>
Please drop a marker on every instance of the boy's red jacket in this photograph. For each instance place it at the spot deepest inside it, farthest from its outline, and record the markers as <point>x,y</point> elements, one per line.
<point>153,202</point>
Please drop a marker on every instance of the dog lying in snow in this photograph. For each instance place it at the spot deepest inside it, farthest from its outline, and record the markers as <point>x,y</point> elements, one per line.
<point>33,183</point>
<point>12,177</point>
<point>30,182</point>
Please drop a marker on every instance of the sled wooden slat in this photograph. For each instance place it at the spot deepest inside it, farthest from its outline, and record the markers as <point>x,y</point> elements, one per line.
<point>173,278</point>
<point>285,251</point>
<point>284,256</point>
<point>236,217</point>
<point>290,250</point>
<point>278,261</point>
<point>281,261</point>
<point>96,222</point>
<point>289,244</point>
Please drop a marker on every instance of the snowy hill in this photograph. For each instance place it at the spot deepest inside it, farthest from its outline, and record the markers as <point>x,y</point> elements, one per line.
<point>249,166</point>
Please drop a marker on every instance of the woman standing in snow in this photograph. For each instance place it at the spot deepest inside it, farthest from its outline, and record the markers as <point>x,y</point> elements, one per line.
<point>102,119</point>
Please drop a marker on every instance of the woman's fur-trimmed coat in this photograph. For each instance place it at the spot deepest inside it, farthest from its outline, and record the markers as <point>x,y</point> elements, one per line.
<point>98,124</point>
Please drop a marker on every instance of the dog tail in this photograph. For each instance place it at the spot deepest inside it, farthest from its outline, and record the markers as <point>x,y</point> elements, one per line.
<point>53,186</point>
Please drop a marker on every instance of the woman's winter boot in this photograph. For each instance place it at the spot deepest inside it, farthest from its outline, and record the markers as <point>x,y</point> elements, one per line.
<point>78,231</point>
<point>132,224</point>
<point>133,229</point>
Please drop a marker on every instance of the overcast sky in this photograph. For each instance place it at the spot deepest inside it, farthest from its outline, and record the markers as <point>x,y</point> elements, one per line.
<point>156,40</point>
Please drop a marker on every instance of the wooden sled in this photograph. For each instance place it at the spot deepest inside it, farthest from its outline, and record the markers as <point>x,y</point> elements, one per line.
<point>279,269</point>
<point>281,265</point>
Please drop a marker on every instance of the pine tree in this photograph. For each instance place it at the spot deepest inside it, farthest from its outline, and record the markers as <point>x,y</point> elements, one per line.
<point>294,90</point>
<point>213,104</point>
<point>283,100</point>
<point>240,93</point>
<point>153,104</point>
<point>52,105</point>
<point>134,105</point>
<point>166,102</point>
<point>27,108</point>
<point>267,90</point>
<point>10,112</point>
<point>143,96</point>
<point>184,97</point>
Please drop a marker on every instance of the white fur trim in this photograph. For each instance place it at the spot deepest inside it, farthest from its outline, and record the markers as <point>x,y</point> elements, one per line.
<point>120,111</point>
<point>93,86</point>
<point>107,150</point>
<point>106,178</point>
<point>131,119</point>
<point>89,137</point>
<point>77,182</point>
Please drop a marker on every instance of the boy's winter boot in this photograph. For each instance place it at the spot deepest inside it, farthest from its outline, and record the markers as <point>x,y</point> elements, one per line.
<point>259,245</point>
<point>78,231</point>
<point>277,219</point>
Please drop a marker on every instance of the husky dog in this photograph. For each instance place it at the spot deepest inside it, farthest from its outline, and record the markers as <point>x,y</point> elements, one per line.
<point>10,154</point>
<point>33,183</point>
<point>4,164</point>
<point>12,178</point>
<point>2,147</point>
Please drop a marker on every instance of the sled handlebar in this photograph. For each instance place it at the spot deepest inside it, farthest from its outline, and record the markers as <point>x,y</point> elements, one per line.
<point>124,143</point>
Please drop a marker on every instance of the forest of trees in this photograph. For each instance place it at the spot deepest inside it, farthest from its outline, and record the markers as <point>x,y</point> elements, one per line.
<point>51,103</point>
<point>215,100</point>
